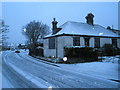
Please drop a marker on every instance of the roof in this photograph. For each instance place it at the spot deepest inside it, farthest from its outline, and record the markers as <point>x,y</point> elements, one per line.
<point>78,28</point>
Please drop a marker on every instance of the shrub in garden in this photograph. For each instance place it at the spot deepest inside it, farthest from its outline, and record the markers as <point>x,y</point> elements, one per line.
<point>39,52</point>
<point>83,54</point>
<point>110,50</point>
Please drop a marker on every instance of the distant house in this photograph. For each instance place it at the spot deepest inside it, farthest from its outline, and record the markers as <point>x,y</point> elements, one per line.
<point>114,30</point>
<point>72,34</point>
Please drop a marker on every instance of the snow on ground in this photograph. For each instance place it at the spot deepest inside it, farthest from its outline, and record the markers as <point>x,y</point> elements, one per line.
<point>96,69</point>
<point>0,70</point>
<point>107,69</point>
<point>24,51</point>
<point>3,79</point>
<point>33,80</point>
<point>0,80</point>
<point>6,83</point>
<point>28,76</point>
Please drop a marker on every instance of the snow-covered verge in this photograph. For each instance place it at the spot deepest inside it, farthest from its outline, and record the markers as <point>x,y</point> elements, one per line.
<point>0,70</point>
<point>106,69</point>
<point>112,59</point>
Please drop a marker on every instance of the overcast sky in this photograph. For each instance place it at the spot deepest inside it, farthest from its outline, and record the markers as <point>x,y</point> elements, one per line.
<point>18,14</point>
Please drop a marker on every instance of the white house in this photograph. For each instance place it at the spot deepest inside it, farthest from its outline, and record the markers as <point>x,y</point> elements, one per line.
<point>78,34</point>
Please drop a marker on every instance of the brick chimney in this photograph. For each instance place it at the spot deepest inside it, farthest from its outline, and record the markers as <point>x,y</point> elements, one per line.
<point>89,19</point>
<point>54,26</point>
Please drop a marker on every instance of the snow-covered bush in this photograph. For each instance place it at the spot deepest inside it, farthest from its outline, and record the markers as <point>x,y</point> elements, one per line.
<point>111,59</point>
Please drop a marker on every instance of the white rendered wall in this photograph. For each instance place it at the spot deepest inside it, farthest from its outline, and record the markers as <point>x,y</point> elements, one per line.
<point>92,42</point>
<point>82,42</point>
<point>48,52</point>
<point>60,47</point>
<point>118,43</point>
<point>63,41</point>
<point>68,40</point>
<point>105,41</point>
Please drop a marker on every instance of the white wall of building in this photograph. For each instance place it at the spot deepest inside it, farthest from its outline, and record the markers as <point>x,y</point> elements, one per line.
<point>48,52</point>
<point>118,43</point>
<point>105,41</point>
<point>60,47</point>
<point>82,43</point>
<point>92,43</point>
<point>68,40</point>
<point>63,41</point>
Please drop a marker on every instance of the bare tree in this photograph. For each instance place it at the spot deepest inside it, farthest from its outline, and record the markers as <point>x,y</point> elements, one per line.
<point>35,31</point>
<point>3,32</point>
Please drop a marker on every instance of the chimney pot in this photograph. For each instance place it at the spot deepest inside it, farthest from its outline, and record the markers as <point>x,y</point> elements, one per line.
<point>89,18</point>
<point>54,26</point>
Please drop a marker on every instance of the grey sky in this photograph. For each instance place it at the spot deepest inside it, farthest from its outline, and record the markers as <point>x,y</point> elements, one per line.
<point>18,14</point>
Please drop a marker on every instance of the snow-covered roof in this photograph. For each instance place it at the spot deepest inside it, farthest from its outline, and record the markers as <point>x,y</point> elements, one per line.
<point>75,46</point>
<point>79,28</point>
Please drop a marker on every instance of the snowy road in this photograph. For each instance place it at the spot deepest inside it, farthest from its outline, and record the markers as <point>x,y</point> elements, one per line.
<point>25,72</point>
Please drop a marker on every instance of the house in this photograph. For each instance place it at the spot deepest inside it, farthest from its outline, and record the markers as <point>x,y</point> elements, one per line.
<point>77,34</point>
<point>114,30</point>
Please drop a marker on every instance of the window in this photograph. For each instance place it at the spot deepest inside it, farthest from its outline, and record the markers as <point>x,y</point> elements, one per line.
<point>76,41</point>
<point>86,41</point>
<point>97,42</point>
<point>51,43</point>
<point>114,42</point>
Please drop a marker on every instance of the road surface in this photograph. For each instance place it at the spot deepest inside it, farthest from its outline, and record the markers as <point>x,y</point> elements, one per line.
<point>26,72</point>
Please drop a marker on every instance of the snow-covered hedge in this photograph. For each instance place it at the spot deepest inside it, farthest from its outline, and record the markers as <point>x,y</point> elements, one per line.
<point>83,54</point>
